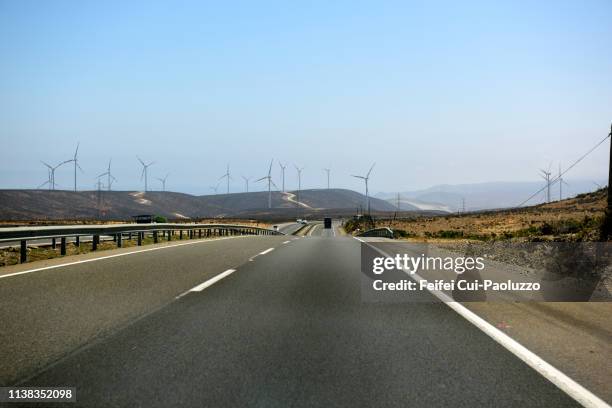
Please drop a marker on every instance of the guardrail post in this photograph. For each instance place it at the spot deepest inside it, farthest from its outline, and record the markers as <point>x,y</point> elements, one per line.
<point>180,234</point>
<point>63,246</point>
<point>155,237</point>
<point>119,237</point>
<point>94,242</point>
<point>139,238</point>
<point>53,243</point>
<point>130,236</point>
<point>199,233</point>
<point>170,235</point>
<point>23,253</point>
<point>77,241</point>
<point>190,234</point>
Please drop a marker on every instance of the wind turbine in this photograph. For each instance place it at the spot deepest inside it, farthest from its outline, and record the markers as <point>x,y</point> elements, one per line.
<point>226,175</point>
<point>366,178</point>
<point>163,181</point>
<point>246,180</point>
<point>327,171</point>
<point>48,182</point>
<point>299,172</point>
<point>283,173</point>
<point>145,171</point>
<point>270,183</point>
<point>75,160</point>
<point>109,177</point>
<point>546,176</point>
<point>51,170</point>
<point>215,188</point>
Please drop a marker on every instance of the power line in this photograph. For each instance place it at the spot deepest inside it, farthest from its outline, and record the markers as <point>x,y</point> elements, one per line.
<point>554,180</point>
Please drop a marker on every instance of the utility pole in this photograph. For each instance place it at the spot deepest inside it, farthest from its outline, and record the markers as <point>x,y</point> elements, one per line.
<point>398,201</point>
<point>610,175</point>
<point>607,224</point>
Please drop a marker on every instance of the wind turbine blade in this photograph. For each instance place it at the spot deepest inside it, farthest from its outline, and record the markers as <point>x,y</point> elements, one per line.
<point>275,186</point>
<point>361,177</point>
<point>263,178</point>
<point>270,169</point>
<point>46,164</point>
<point>103,174</point>
<point>371,168</point>
<point>79,166</point>
<point>150,164</point>
<point>222,177</point>
<point>140,160</point>
<point>76,151</point>
<point>142,174</point>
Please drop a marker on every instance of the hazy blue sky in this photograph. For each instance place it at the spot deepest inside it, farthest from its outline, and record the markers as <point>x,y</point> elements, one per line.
<point>433,91</point>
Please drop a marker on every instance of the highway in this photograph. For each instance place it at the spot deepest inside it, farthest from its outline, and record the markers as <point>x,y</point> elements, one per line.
<point>283,323</point>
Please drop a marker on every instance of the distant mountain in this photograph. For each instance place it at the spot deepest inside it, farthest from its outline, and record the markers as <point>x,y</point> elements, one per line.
<point>490,195</point>
<point>121,205</point>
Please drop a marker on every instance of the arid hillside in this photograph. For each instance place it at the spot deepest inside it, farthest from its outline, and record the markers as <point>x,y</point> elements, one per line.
<point>121,205</point>
<point>574,219</point>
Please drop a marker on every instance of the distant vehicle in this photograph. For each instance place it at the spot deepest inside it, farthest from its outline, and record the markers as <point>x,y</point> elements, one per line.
<point>304,222</point>
<point>301,221</point>
<point>275,228</point>
<point>327,222</point>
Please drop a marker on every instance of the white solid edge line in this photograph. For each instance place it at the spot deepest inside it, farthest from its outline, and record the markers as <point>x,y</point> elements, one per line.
<point>266,251</point>
<point>585,397</point>
<point>114,256</point>
<point>286,242</point>
<point>212,281</point>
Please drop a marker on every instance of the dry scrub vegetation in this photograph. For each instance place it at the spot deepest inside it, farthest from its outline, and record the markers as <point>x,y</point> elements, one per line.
<point>575,219</point>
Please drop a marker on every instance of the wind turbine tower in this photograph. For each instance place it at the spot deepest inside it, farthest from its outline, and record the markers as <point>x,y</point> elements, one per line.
<point>299,173</point>
<point>226,175</point>
<point>327,171</point>
<point>366,178</point>
<point>75,160</point>
<point>163,181</point>
<point>246,180</point>
<point>546,176</point>
<point>109,177</point>
<point>283,174</point>
<point>51,172</point>
<point>145,172</point>
<point>270,183</point>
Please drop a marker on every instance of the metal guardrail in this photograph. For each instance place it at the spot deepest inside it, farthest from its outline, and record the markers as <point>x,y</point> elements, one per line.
<point>378,232</point>
<point>119,231</point>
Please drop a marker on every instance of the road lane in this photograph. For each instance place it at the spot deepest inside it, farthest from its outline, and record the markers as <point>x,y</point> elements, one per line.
<point>290,328</point>
<point>47,314</point>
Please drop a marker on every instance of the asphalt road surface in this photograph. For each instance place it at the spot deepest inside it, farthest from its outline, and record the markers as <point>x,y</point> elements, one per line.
<point>288,327</point>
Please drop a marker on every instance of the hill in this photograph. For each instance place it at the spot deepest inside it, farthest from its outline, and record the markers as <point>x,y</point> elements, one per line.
<point>483,196</point>
<point>121,205</point>
<point>574,219</point>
